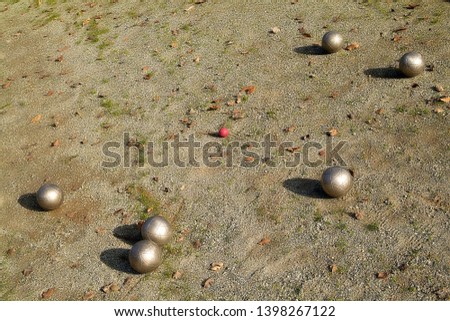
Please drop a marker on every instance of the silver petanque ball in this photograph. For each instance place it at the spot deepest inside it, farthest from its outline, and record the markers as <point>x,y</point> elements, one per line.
<point>332,42</point>
<point>49,196</point>
<point>157,229</point>
<point>336,181</point>
<point>145,256</point>
<point>412,64</point>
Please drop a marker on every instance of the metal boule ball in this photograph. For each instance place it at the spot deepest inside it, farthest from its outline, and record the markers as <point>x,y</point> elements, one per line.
<point>336,181</point>
<point>145,256</point>
<point>332,42</point>
<point>157,229</point>
<point>49,196</point>
<point>412,64</point>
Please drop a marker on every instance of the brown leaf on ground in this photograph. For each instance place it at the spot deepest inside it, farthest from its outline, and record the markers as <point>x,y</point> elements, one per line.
<point>200,1</point>
<point>382,275</point>
<point>100,230</point>
<point>196,60</point>
<point>214,107</point>
<point>248,89</point>
<point>11,252</point>
<point>264,241</point>
<point>334,94</point>
<point>216,266</point>
<point>396,38</point>
<point>49,93</point>
<point>289,129</point>
<point>112,287</point>
<point>177,275</point>
<point>27,271</point>
<point>88,295</point>
<point>237,114</point>
<point>445,99</point>
<point>438,110</point>
<point>196,244</point>
<point>333,268</point>
<point>322,153</point>
<point>400,29</point>
<point>56,143</point>
<point>59,59</point>
<point>6,85</point>
<point>231,103</point>
<point>208,283</point>
<point>36,119</point>
<point>332,132</point>
<point>145,68</point>
<point>174,44</point>
<point>48,293</point>
<point>304,33</point>
<point>379,111</point>
<point>248,159</point>
<point>412,6</point>
<point>359,215</point>
<point>293,149</point>
<point>438,88</point>
<point>352,46</point>
<point>128,281</point>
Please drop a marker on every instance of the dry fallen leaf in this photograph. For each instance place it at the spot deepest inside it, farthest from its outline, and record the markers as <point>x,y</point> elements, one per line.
<point>27,271</point>
<point>275,30</point>
<point>216,266</point>
<point>438,88</point>
<point>6,85</point>
<point>86,22</point>
<point>196,60</point>
<point>352,46</point>
<point>214,107</point>
<point>289,129</point>
<point>48,293</point>
<point>237,114</point>
<point>49,93</point>
<point>333,268</point>
<point>208,282</point>
<point>304,32</point>
<point>11,252</point>
<point>379,111</point>
<point>112,287</point>
<point>56,143</point>
<point>59,59</point>
<point>396,38</point>
<point>177,275</point>
<point>88,295</point>
<point>231,103</point>
<point>359,215</point>
<point>438,110</point>
<point>400,29</point>
<point>174,44</point>
<point>332,132</point>
<point>412,6</point>
<point>264,241</point>
<point>128,281</point>
<point>445,99</point>
<point>322,153</point>
<point>145,68</point>
<point>36,118</point>
<point>100,230</point>
<point>293,149</point>
<point>196,244</point>
<point>382,275</point>
<point>248,89</point>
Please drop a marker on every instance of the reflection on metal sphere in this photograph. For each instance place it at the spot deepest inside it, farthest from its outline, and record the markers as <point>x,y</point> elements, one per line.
<point>157,229</point>
<point>49,196</point>
<point>145,256</point>
<point>336,181</point>
<point>332,42</point>
<point>412,64</point>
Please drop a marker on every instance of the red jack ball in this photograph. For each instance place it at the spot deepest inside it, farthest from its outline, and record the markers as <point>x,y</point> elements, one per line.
<point>223,132</point>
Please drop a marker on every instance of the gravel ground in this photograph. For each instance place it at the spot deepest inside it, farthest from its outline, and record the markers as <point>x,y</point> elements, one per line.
<point>77,77</point>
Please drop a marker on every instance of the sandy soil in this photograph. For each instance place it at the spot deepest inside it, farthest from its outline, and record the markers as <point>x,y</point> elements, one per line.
<point>78,75</point>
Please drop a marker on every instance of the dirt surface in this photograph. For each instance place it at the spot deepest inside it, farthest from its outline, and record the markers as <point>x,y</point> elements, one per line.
<point>77,75</point>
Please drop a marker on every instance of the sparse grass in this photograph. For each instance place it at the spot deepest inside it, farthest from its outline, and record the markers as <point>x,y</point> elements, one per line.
<point>419,112</point>
<point>341,226</point>
<point>148,202</point>
<point>271,114</point>
<point>112,107</point>
<point>94,31</point>
<point>372,227</point>
<point>400,109</point>
<point>318,217</point>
